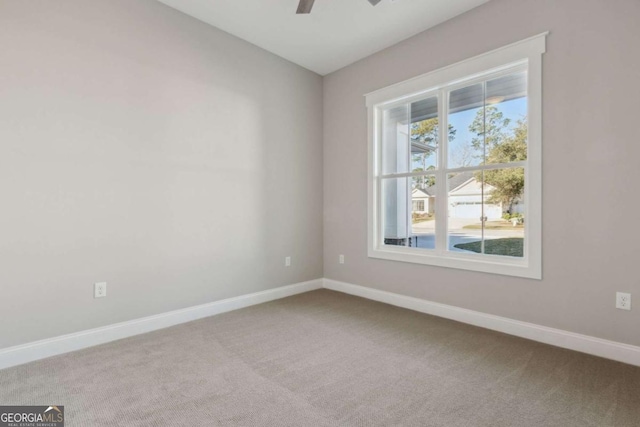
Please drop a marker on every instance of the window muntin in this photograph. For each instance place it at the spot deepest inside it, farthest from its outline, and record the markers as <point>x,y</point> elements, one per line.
<point>477,219</point>
<point>410,141</point>
<point>503,88</point>
<point>423,216</point>
<point>489,119</point>
<point>486,127</point>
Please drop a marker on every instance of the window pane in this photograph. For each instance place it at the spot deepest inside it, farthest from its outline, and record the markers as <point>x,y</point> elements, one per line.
<point>499,227</point>
<point>423,220</point>
<point>504,212</point>
<point>466,127</point>
<point>465,195</point>
<point>506,119</point>
<point>424,134</point>
<point>395,211</point>
<point>395,140</point>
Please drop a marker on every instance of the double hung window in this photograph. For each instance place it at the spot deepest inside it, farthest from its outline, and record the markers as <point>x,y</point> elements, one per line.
<point>455,165</point>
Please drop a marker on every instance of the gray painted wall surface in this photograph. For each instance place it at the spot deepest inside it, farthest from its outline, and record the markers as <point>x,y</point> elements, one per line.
<point>180,164</point>
<point>149,150</point>
<point>590,161</point>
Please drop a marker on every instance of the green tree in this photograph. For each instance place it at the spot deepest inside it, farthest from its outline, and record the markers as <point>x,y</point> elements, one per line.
<point>426,132</point>
<point>425,180</point>
<point>508,183</point>
<point>490,127</point>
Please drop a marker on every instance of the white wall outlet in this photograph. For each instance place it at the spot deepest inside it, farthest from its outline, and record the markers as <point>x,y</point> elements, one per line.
<point>341,259</point>
<point>623,301</point>
<point>287,261</point>
<point>100,290</point>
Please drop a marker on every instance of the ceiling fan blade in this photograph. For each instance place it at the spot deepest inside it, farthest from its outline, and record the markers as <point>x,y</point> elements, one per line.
<point>305,6</point>
<point>374,2</point>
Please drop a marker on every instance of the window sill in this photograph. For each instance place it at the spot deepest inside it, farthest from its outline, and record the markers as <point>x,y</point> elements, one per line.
<point>463,261</point>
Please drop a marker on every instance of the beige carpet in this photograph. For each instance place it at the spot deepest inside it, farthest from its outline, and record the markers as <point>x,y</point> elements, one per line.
<point>328,359</point>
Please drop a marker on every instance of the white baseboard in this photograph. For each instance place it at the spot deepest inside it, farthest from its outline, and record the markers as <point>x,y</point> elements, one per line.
<point>583,343</point>
<point>25,353</point>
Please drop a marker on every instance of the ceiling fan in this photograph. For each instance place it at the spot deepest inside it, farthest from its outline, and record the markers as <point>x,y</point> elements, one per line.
<point>305,5</point>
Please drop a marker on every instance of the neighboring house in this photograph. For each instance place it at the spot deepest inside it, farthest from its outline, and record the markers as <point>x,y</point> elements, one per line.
<point>423,200</point>
<point>465,199</point>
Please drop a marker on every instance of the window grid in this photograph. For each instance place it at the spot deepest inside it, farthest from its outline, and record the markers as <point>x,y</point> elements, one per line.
<point>525,55</point>
<point>442,171</point>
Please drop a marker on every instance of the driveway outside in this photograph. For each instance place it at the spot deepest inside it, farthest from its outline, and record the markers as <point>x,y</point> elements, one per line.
<point>426,233</point>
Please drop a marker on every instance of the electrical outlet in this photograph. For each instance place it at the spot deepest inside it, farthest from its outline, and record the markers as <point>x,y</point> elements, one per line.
<point>341,259</point>
<point>287,261</point>
<point>100,290</point>
<point>623,301</point>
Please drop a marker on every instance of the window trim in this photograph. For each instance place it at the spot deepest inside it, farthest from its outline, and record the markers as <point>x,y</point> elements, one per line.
<point>526,53</point>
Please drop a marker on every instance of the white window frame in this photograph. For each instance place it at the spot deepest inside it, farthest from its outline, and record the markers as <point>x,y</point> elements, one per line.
<point>522,55</point>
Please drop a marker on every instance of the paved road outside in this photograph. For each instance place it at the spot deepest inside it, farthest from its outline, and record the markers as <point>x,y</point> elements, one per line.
<point>425,233</point>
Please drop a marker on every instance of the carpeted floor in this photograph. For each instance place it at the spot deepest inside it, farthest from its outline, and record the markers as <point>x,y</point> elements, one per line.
<point>328,359</point>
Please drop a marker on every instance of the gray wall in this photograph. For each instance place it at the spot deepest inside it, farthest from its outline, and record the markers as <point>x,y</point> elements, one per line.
<point>590,162</point>
<point>144,148</point>
<point>180,164</point>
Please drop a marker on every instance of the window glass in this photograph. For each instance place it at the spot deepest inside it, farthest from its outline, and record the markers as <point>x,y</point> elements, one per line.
<point>466,120</point>
<point>423,216</point>
<point>424,135</point>
<point>451,154</point>
<point>395,140</point>
<point>506,119</point>
<point>395,212</point>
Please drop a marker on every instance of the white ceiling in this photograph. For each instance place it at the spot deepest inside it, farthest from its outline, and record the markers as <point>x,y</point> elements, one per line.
<point>335,34</point>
